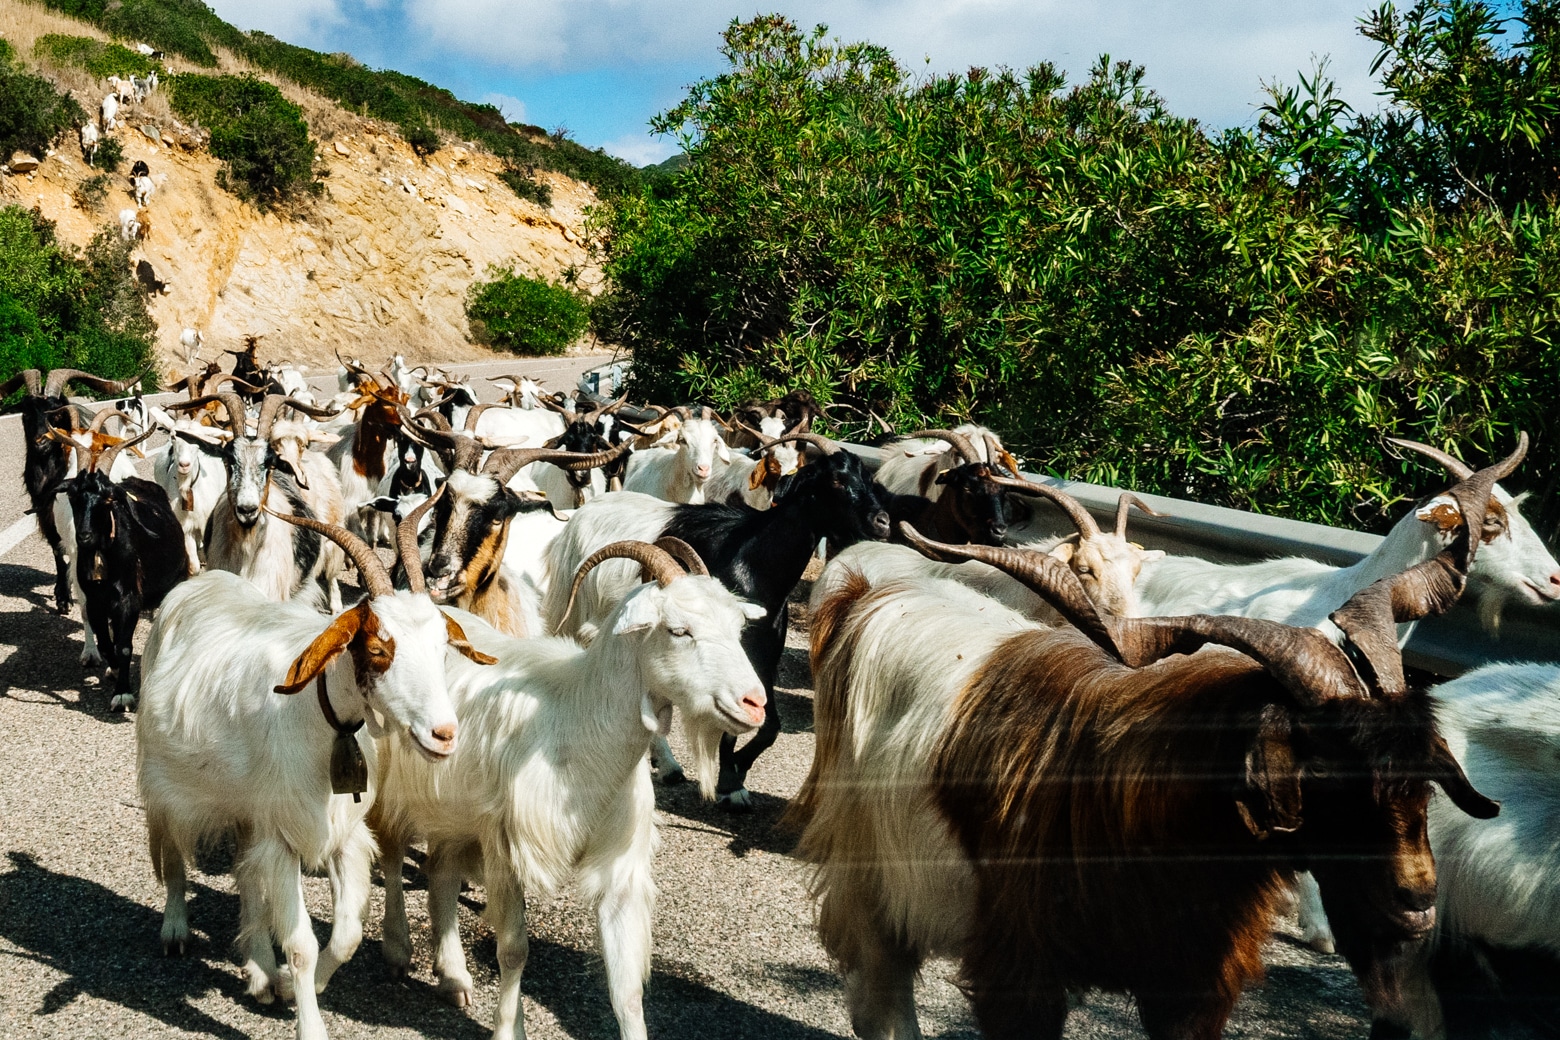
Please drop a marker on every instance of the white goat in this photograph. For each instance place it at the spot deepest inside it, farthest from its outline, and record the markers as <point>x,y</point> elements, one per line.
<point>550,780</point>
<point>129,224</point>
<point>318,486</point>
<point>191,340</point>
<point>678,473</point>
<point>1499,879</point>
<point>191,470</point>
<point>755,475</point>
<point>143,190</point>
<point>110,110</point>
<point>89,142</point>
<point>219,753</point>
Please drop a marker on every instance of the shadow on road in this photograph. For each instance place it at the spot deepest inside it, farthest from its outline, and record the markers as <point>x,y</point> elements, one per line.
<point>48,647</point>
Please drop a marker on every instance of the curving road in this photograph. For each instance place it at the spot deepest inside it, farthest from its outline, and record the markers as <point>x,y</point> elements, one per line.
<point>735,955</point>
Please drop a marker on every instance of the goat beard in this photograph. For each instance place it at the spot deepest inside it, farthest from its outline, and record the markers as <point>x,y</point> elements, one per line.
<point>703,736</point>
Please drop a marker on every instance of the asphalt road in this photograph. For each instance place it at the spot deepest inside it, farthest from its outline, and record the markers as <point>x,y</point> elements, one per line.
<point>735,954</point>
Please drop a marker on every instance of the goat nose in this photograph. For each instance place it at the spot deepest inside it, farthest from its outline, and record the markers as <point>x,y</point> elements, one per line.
<point>444,734</point>
<point>880,524</point>
<point>753,702</point>
<point>1415,898</point>
<point>701,472</point>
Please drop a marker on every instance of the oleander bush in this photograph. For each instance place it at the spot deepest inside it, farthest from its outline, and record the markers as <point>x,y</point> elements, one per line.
<point>63,307</point>
<point>1129,297</point>
<point>524,315</point>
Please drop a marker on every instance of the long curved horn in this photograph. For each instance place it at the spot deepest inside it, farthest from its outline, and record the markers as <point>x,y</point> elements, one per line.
<point>1370,617</point>
<point>29,376</point>
<point>241,384</point>
<point>818,441</point>
<point>1453,465</point>
<point>655,564</point>
<point>1302,659</point>
<point>237,415</point>
<point>1075,510</point>
<point>102,415</point>
<point>476,413</point>
<point>1126,502</point>
<point>597,411</point>
<point>1049,578</point>
<point>458,450</point>
<point>368,563</point>
<point>961,444</point>
<point>504,463</point>
<point>764,440</point>
<point>684,554</point>
<point>594,459</point>
<point>406,541</point>
<point>59,377</point>
<point>268,411</point>
<point>104,463</point>
<point>313,411</point>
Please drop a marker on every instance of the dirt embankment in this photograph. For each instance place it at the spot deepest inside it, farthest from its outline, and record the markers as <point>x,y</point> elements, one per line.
<point>380,263</point>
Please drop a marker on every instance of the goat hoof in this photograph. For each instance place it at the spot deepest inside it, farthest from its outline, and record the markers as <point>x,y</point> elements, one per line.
<point>455,992</point>
<point>738,801</point>
<point>674,776</point>
<point>92,659</point>
<point>396,971</point>
<point>122,702</point>
<point>173,947</point>
<point>1321,942</point>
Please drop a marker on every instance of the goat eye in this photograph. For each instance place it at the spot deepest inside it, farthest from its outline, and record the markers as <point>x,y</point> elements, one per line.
<point>1084,572</point>
<point>681,633</point>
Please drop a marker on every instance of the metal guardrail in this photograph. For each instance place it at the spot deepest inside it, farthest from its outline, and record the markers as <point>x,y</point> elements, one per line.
<point>1448,645</point>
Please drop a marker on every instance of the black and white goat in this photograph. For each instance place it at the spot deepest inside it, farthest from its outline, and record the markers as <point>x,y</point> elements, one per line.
<point>129,554</point>
<point>758,554</point>
<point>191,470</point>
<point>46,461</point>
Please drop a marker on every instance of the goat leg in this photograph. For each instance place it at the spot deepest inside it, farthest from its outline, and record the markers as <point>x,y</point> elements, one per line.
<point>623,914</point>
<point>349,870</point>
<point>449,958</point>
<point>506,916</point>
<point>121,620</point>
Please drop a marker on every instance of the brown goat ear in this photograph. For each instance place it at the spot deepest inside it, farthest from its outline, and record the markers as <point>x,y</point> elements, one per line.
<point>1272,778</point>
<point>325,649</point>
<point>756,478</point>
<point>1446,771</point>
<point>461,645</point>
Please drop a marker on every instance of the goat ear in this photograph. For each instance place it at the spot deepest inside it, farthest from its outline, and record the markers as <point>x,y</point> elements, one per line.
<point>325,649</point>
<point>1272,778</point>
<point>384,504</point>
<point>1064,551</point>
<point>944,477</point>
<point>640,611</point>
<point>752,611</point>
<point>1442,511</point>
<point>757,477</point>
<point>1148,555</point>
<point>1445,770</point>
<point>722,450</point>
<point>461,645</point>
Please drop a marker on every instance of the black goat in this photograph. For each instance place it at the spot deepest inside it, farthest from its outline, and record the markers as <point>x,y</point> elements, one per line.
<point>129,553</point>
<point>970,509</point>
<point>47,461</point>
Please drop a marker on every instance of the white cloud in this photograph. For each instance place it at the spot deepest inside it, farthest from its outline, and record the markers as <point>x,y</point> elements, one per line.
<point>641,149</point>
<point>1207,59</point>
<point>292,20</point>
<point>512,107</point>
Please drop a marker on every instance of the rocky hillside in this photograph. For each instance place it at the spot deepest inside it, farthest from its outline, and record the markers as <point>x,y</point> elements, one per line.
<point>380,263</point>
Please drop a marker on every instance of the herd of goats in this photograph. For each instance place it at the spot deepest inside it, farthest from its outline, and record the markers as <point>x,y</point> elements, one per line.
<point>1063,760</point>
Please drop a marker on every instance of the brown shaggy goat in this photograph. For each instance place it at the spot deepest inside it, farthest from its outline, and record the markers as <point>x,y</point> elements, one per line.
<point>1101,806</point>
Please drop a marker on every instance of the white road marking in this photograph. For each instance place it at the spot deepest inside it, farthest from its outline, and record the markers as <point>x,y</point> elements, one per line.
<point>12,536</point>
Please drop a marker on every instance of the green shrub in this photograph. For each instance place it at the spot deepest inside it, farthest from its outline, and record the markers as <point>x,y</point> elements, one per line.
<point>185,27</point>
<point>423,139</point>
<point>90,193</point>
<point>1126,297</point>
<point>60,307</point>
<point>32,112</point>
<point>523,315</point>
<point>257,132</point>
<point>99,58</point>
<point>522,181</point>
<point>110,154</point>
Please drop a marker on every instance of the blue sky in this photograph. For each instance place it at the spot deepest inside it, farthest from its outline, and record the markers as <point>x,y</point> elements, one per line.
<point>602,68</point>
